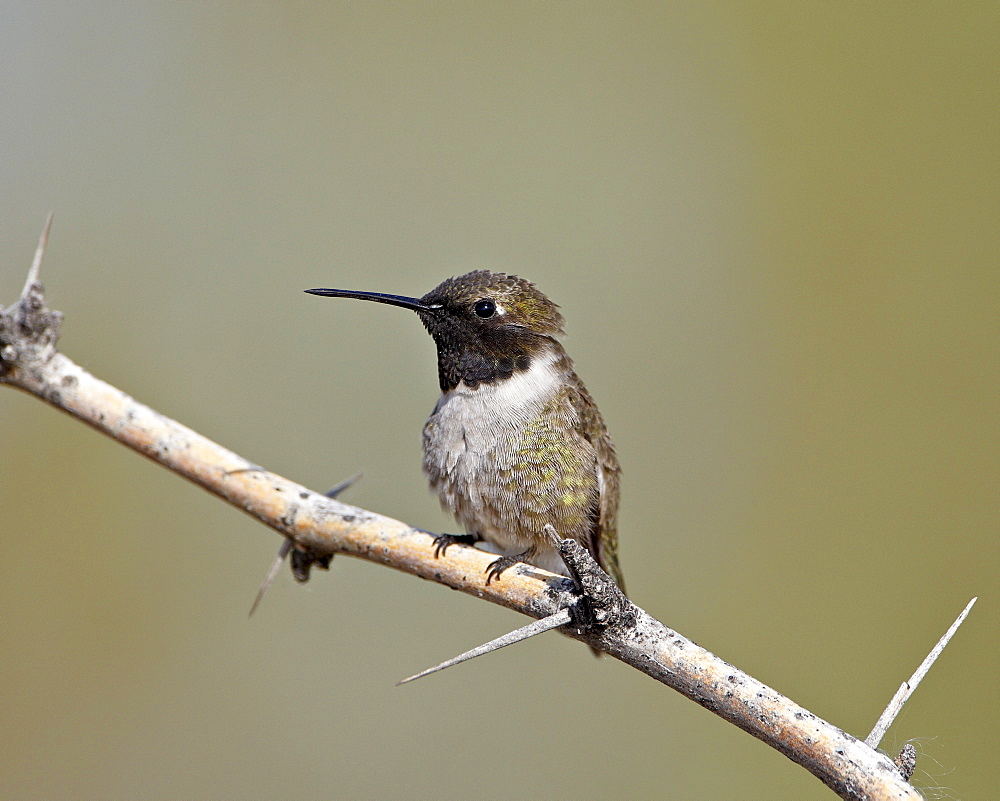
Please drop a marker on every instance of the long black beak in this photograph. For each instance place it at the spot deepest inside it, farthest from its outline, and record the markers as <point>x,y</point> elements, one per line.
<point>393,300</point>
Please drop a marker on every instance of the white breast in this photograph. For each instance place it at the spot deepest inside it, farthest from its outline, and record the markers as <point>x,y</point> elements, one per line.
<point>467,421</point>
<point>470,427</point>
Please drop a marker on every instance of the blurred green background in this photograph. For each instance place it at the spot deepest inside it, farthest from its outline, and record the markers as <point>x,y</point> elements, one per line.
<point>773,230</point>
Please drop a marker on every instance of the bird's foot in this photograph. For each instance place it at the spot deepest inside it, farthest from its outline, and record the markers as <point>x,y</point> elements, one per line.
<point>442,542</point>
<point>498,566</point>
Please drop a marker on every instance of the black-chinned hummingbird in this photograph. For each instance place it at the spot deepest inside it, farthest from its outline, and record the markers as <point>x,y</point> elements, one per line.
<point>515,441</point>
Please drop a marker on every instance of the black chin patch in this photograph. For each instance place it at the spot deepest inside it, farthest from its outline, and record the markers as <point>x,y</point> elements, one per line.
<point>474,369</point>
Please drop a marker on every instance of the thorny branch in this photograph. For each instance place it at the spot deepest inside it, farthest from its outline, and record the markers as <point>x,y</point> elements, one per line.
<point>319,527</point>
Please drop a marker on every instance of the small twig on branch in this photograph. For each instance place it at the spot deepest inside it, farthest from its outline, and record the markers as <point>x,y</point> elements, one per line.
<point>319,527</point>
<point>907,687</point>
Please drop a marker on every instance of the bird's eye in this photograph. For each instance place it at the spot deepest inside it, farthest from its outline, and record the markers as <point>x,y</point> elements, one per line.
<point>485,308</point>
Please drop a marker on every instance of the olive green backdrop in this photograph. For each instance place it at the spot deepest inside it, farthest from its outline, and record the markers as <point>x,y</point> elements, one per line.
<point>773,230</point>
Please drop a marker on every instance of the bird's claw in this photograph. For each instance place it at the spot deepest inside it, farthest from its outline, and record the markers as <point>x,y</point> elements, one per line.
<point>498,566</point>
<point>442,542</point>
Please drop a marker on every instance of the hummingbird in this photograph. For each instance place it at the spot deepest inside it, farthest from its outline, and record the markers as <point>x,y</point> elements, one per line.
<point>515,441</point>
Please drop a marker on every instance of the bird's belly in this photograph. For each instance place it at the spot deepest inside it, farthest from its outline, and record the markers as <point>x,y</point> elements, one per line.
<point>505,471</point>
<point>463,457</point>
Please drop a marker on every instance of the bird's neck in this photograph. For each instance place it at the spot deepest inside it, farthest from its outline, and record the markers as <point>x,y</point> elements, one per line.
<point>473,367</point>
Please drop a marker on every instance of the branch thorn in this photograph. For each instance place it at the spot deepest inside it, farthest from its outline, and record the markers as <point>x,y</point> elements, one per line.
<point>286,547</point>
<point>554,621</point>
<point>907,687</point>
<point>36,264</point>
